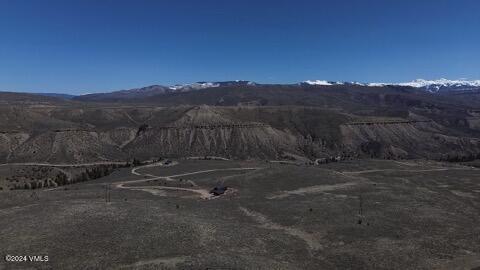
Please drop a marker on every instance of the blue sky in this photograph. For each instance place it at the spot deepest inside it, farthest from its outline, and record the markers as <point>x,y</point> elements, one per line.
<point>101,45</point>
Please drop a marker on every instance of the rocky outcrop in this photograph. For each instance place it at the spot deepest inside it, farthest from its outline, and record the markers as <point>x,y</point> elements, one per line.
<point>9,142</point>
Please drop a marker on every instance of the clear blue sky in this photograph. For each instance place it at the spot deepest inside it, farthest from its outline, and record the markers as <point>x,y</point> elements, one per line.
<point>90,46</point>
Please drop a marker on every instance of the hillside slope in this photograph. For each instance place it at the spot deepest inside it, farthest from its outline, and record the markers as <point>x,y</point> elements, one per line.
<point>60,134</point>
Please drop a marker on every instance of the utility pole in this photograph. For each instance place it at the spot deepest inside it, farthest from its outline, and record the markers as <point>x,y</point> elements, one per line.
<point>107,193</point>
<point>360,210</point>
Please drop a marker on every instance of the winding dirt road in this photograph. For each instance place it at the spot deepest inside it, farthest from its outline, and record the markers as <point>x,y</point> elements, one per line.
<point>203,193</point>
<point>413,171</point>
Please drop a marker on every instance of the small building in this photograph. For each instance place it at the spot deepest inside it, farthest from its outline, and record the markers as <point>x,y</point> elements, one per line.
<point>218,190</point>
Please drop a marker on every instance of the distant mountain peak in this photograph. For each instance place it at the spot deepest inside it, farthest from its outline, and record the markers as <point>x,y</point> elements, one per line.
<point>203,85</point>
<point>317,82</point>
<point>145,89</point>
<point>193,86</point>
<point>327,83</point>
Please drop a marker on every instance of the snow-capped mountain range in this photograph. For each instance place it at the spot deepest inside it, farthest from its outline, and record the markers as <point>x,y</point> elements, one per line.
<point>433,86</point>
<point>438,85</point>
<point>429,85</point>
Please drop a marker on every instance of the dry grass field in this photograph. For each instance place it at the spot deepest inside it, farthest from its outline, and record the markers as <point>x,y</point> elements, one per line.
<point>364,214</point>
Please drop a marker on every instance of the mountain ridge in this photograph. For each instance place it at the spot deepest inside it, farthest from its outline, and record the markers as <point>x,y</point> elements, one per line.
<point>433,86</point>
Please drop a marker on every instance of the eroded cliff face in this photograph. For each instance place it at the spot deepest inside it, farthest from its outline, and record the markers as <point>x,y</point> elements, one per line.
<point>80,135</point>
<point>206,131</point>
<point>197,131</point>
<point>235,141</point>
<point>406,139</point>
<point>66,147</point>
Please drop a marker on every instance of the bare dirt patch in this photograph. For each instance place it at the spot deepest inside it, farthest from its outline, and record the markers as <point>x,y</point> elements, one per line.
<point>310,241</point>
<point>312,190</point>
